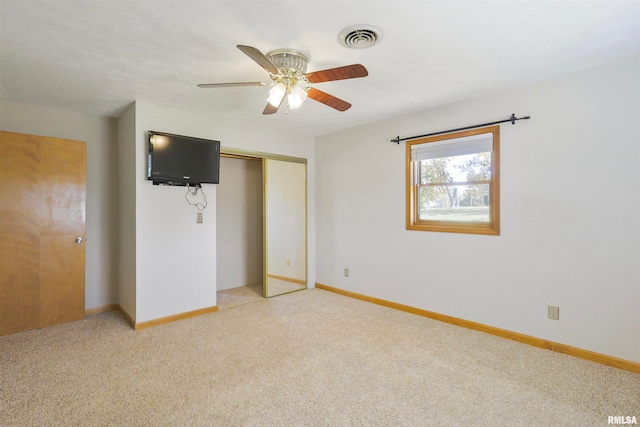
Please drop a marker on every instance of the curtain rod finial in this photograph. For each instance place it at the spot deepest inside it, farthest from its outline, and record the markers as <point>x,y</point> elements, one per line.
<point>396,140</point>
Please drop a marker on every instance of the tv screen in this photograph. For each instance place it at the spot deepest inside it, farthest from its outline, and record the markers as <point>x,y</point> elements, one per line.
<point>182,160</point>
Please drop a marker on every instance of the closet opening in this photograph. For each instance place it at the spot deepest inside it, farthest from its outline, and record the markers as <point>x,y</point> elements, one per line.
<point>261,226</point>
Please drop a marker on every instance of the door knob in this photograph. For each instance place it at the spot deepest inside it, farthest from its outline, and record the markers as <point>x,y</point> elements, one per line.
<point>79,240</point>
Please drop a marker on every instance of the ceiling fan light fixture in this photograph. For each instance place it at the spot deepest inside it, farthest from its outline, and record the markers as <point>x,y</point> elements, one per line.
<point>276,94</point>
<point>296,97</point>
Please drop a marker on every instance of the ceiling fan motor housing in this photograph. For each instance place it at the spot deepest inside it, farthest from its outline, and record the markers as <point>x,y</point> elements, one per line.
<point>291,63</point>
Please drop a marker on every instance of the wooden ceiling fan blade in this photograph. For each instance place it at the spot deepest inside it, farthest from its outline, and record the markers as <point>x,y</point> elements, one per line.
<point>329,100</point>
<point>270,109</point>
<point>238,84</point>
<point>340,73</point>
<point>259,57</point>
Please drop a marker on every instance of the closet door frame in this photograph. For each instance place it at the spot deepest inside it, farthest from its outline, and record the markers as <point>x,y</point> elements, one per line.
<point>263,156</point>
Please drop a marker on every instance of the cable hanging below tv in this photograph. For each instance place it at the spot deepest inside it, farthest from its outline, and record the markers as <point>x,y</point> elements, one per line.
<point>182,160</point>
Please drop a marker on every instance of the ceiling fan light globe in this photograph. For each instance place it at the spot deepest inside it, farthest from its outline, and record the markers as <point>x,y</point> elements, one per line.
<point>276,94</point>
<point>296,97</point>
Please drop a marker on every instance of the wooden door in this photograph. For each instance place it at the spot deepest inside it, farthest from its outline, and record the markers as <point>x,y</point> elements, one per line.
<point>42,213</point>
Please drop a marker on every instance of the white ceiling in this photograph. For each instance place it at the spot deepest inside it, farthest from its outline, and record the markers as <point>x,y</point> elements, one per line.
<point>98,56</point>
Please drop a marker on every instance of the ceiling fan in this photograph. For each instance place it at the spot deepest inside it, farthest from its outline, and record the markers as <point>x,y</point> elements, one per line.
<point>287,68</point>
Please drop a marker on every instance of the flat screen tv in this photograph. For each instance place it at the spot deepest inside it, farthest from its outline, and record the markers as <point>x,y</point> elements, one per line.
<point>182,160</point>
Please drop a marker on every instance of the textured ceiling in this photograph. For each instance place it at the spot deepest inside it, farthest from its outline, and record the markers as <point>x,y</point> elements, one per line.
<point>98,56</point>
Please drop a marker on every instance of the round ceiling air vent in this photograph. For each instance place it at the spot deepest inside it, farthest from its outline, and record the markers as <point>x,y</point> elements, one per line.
<point>360,36</point>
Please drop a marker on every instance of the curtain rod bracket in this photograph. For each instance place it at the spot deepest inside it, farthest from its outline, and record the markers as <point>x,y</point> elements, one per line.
<point>511,119</point>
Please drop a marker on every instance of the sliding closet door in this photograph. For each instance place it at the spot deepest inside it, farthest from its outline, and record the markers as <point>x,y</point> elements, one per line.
<point>42,231</point>
<point>285,219</point>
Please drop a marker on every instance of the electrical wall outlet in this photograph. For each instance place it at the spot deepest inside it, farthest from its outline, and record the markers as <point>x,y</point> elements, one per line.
<point>346,272</point>
<point>553,312</point>
<point>287,261</point>
<point>199,218</point>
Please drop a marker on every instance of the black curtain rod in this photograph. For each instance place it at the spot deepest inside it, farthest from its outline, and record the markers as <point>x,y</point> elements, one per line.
<point>511,119</point>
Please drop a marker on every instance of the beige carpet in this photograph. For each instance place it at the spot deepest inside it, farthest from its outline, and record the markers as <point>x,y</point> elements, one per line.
<point>240,295</point>
<point>279,287</point>
<point>308,358</point>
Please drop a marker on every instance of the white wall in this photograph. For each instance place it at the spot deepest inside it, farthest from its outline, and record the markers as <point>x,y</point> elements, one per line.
<point>127,211</point>
<point>175,257</point>
<point>100,134</point>
<point>570,223</point>
<point>239,223</point>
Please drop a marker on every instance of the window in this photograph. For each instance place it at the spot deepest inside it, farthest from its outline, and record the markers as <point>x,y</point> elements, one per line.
<point>453,182</point>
